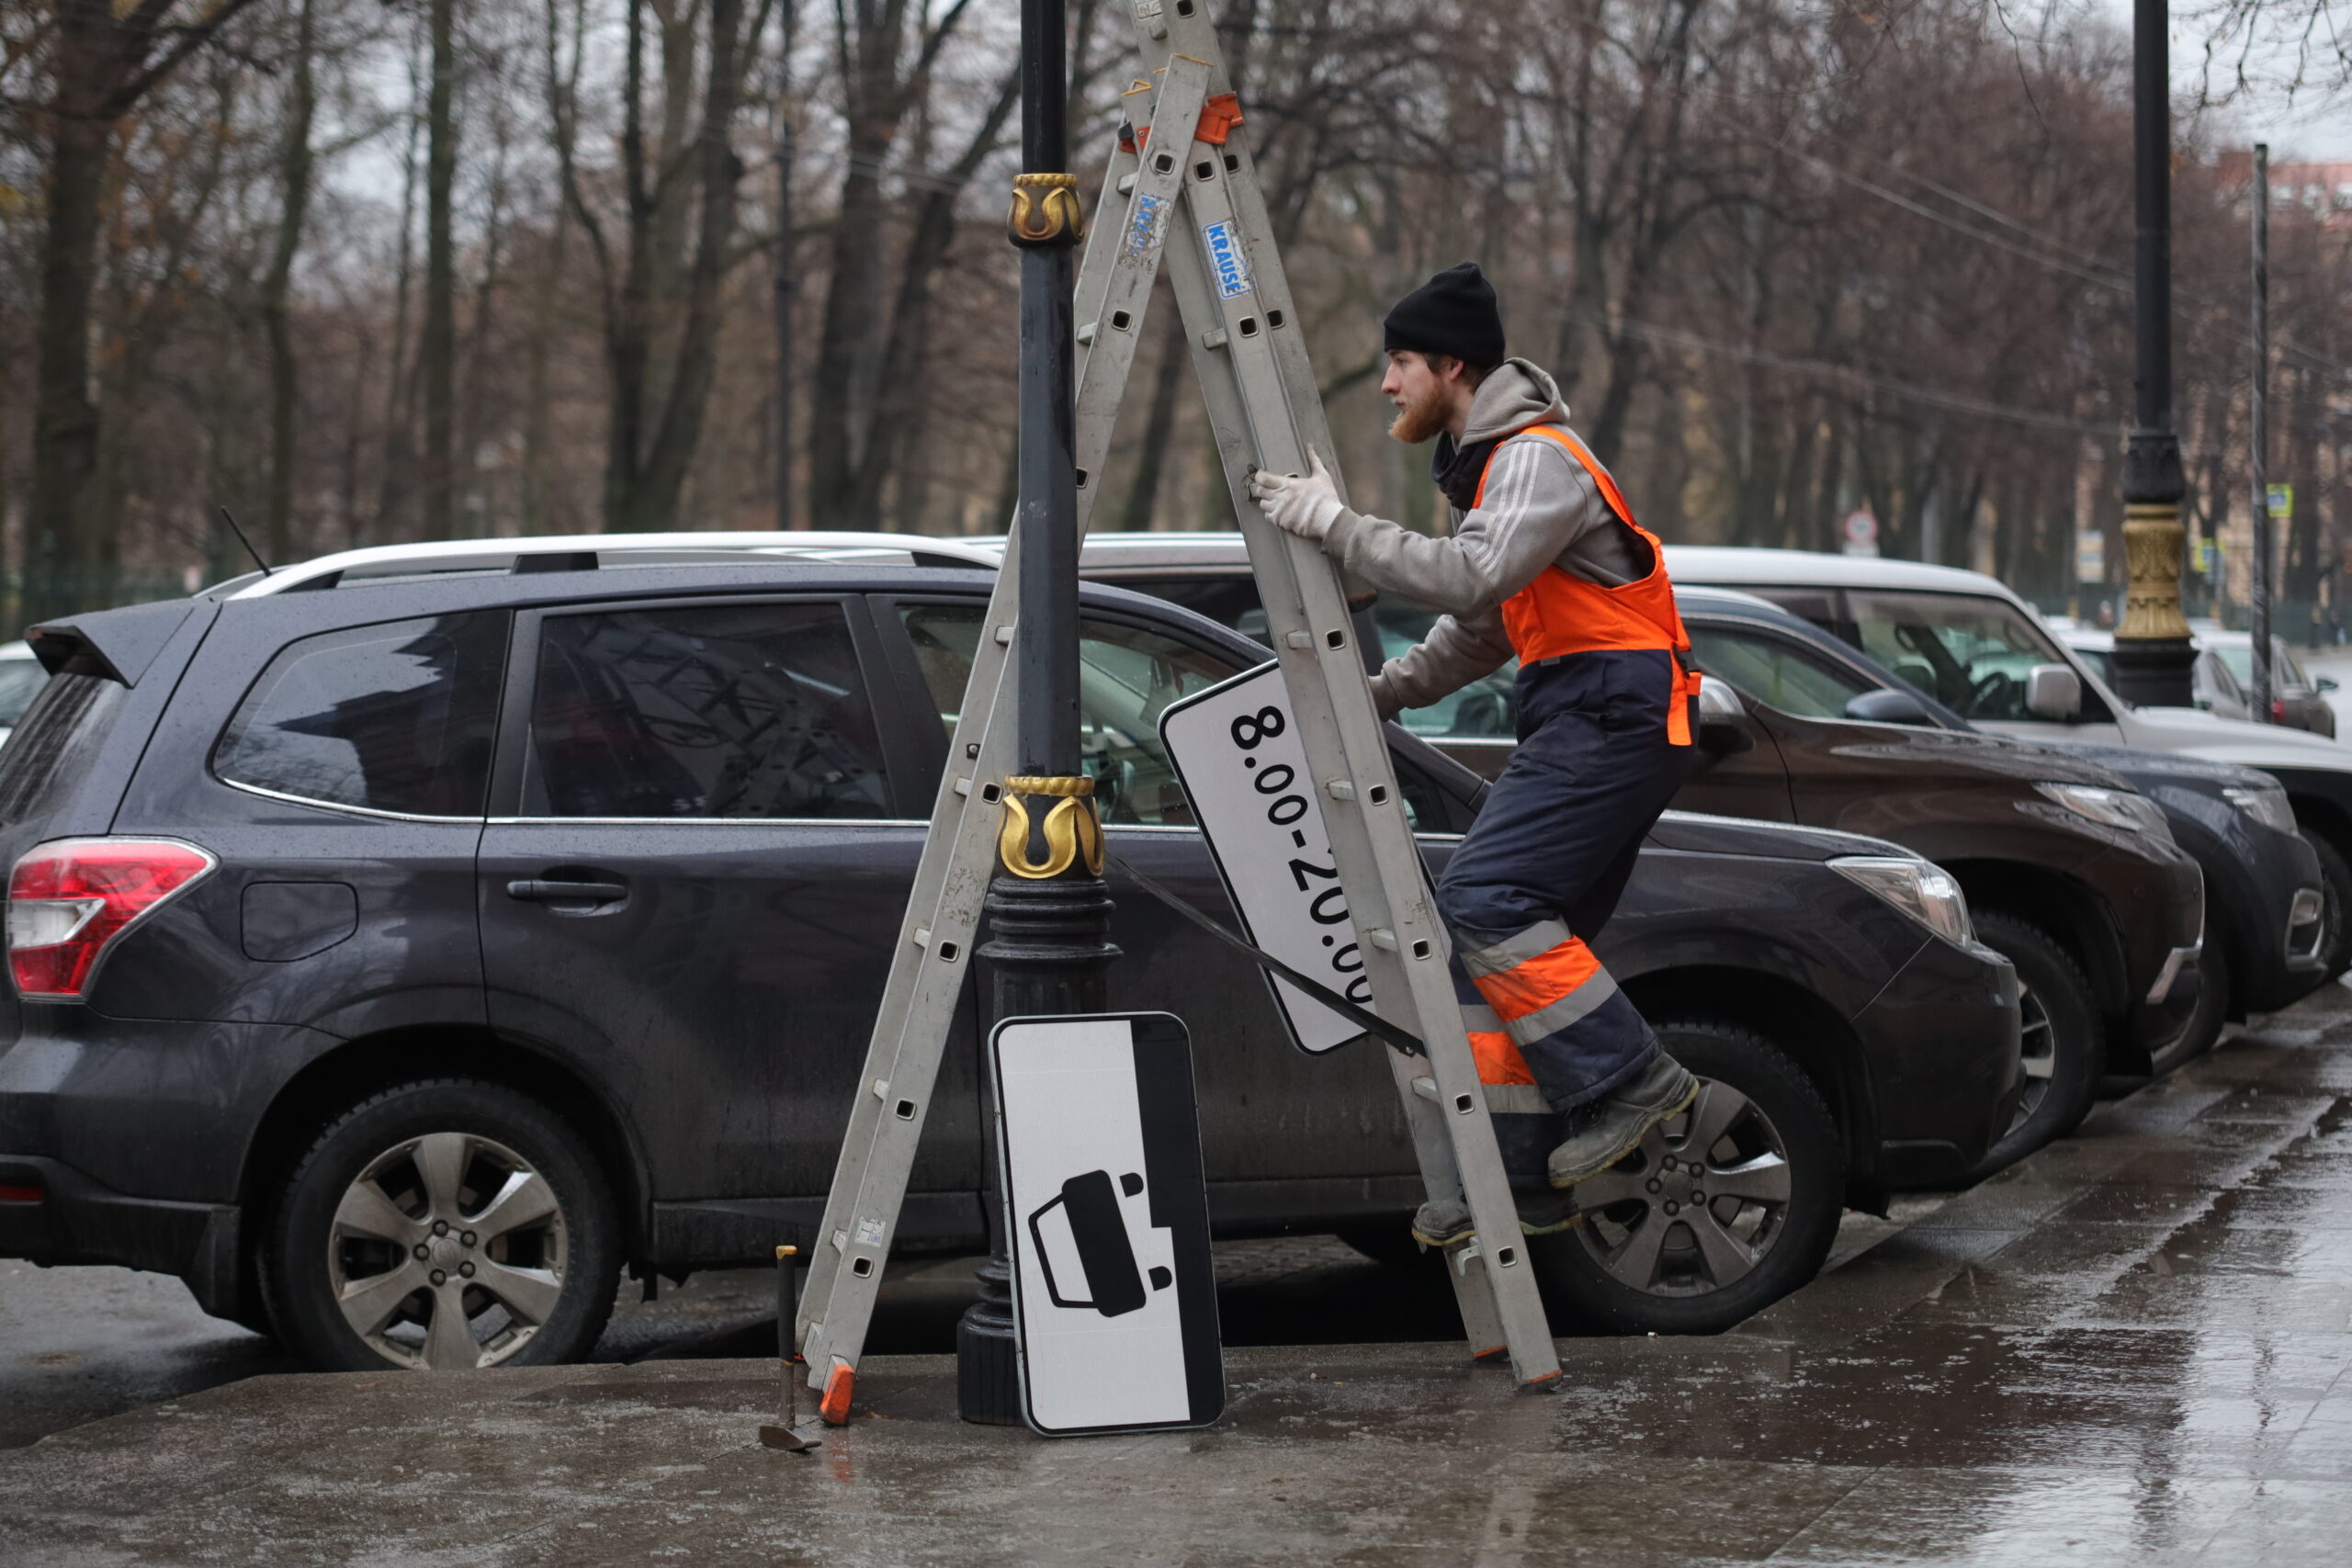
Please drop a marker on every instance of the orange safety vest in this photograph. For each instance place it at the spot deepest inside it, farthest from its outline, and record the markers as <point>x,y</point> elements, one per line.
<point>1559,613</point>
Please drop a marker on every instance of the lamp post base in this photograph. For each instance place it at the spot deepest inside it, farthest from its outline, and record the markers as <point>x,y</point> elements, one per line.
<point>1049,945</point>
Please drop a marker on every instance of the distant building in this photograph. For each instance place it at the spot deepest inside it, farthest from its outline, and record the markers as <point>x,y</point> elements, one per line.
<point>2321,191</point>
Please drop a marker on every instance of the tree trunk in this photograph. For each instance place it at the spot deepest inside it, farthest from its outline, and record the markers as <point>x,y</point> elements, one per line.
<point>437,354</point>
<point>899,393</point>
<point>105,56</point>
<point>65,430</point>
<point>657,473</point>
<point>294,162</point>
<point>397,480</point>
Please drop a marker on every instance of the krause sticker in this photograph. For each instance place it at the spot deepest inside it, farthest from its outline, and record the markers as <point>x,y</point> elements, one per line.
<point>1226,260</point>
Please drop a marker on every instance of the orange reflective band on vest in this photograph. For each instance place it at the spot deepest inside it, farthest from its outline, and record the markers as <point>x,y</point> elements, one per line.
<point>1560,613</point>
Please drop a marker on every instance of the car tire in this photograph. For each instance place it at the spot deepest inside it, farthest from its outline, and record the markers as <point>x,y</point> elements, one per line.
<point>483,1202</point>
<point>1629,1266</point>
<point>1393,1245</point>
<point>2060,1038</point>
<point>2335,900</point>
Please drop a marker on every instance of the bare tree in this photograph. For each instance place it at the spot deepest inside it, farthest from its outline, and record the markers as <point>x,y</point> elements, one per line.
<point>107,57</point>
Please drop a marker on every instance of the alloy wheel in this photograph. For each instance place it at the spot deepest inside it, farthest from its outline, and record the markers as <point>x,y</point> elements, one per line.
<point>1698,1205</point>
<point>2037,1052</point>
<point>447,1252</point>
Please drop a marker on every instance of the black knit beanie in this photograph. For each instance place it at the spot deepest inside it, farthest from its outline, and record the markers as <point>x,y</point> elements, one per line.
<point>1453,313</point>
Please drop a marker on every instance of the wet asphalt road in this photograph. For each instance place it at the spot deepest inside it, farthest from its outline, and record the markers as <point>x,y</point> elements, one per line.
<point>80,1343</point>
<point>2133,1348</point>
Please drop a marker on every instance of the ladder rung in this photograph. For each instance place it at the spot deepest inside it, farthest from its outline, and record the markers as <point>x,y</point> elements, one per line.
<point>1426,1087</point>
<point>1086,334</point>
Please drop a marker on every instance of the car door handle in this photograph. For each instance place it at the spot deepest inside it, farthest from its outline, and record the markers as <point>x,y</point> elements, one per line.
<point>541,892</point>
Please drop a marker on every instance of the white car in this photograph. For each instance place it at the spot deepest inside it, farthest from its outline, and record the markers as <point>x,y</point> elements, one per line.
<point>21,678</point>
<point>2212,688</point>
<point>1971,642</point>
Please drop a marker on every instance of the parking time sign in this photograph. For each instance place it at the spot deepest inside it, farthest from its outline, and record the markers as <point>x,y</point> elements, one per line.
<point>1238,755</point>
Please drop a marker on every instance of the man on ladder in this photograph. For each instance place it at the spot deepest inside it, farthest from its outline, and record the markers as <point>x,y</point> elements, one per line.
<point>1547,564</point>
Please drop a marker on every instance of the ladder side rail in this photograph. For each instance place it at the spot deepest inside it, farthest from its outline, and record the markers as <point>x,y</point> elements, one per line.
<point>1344,741</point>
<point>1278,581</point>
<point>1111,318</point>
<point>833,1325</point>
<point>1095,263</point>
<point>909,1043</point>
<point>939,904</point>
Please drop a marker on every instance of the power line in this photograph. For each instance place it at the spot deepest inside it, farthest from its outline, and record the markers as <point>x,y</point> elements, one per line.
<point>1822,369</point>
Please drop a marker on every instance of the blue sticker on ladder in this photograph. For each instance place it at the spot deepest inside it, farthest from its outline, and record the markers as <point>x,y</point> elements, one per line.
<point>1226,260</point>
<point>1146,223</point>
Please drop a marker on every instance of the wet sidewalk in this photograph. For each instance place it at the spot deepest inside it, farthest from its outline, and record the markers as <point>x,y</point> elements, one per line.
<point>2133,1349</point>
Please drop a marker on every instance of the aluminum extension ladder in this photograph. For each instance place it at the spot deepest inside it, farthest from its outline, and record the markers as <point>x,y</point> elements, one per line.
<point>1189,179</point>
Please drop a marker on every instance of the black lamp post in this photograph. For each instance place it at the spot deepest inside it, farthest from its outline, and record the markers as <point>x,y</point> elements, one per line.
<point>2153,655</point>
<point>1049,912</point>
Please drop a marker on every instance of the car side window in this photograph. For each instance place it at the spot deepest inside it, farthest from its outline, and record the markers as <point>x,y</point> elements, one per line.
<point>1969,651</point>
<point>1128,676</point>
<point>1775,671</point>
<point>703,711</point>
<point>390,718</point>
<point>1488,708</point>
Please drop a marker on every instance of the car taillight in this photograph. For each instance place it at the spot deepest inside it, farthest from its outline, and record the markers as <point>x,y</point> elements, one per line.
<point>69,900</point>
<point>2278,710</point>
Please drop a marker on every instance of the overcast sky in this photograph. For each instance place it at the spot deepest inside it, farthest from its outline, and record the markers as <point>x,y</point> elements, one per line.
<point>2308,124</point>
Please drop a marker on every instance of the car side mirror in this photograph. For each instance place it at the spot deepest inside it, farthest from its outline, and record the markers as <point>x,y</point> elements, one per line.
<point>2324,684</point>
<point>1723,720</point>
<point>1887,705</point>
<point>2054,690</point>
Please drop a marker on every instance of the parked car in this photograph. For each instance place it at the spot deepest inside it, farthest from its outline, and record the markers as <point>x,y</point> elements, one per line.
<point>1967,640</point>
<point>407,943</point>
<point>2265,897</point>
<point>2073,875</point>
<point>2224,675</point>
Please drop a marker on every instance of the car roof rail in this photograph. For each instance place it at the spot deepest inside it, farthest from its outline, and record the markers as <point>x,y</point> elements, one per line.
<point>591,552</point>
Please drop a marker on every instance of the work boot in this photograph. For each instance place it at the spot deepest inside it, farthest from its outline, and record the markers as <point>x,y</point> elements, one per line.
<point>1441,1221</point>
<point>1611,1128</point>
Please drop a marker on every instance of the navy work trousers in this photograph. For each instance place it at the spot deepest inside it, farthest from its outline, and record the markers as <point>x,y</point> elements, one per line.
<point>1542,869</point>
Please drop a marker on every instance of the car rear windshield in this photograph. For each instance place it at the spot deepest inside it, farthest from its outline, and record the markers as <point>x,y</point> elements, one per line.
<point>53,744</point>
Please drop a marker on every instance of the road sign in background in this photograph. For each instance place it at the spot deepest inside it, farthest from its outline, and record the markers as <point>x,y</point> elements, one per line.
<point>1107,1216</point>
<point>2090,554</point>
<point>1244,771</point>
<point>2282,500</point>
<point>1860,532</point>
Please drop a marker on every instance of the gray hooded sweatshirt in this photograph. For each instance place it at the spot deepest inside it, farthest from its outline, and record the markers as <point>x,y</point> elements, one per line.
<point>1540,509</point>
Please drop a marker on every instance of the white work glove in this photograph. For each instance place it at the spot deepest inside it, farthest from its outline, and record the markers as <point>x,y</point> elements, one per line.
<point>1304,504</point>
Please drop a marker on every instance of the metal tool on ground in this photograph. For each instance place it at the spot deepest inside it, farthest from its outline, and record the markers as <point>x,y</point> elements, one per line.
<point>787,1433</point>
<point>1179,171</point>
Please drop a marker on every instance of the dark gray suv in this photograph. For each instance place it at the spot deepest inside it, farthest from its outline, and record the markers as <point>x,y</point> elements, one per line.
<point>406,945</point>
